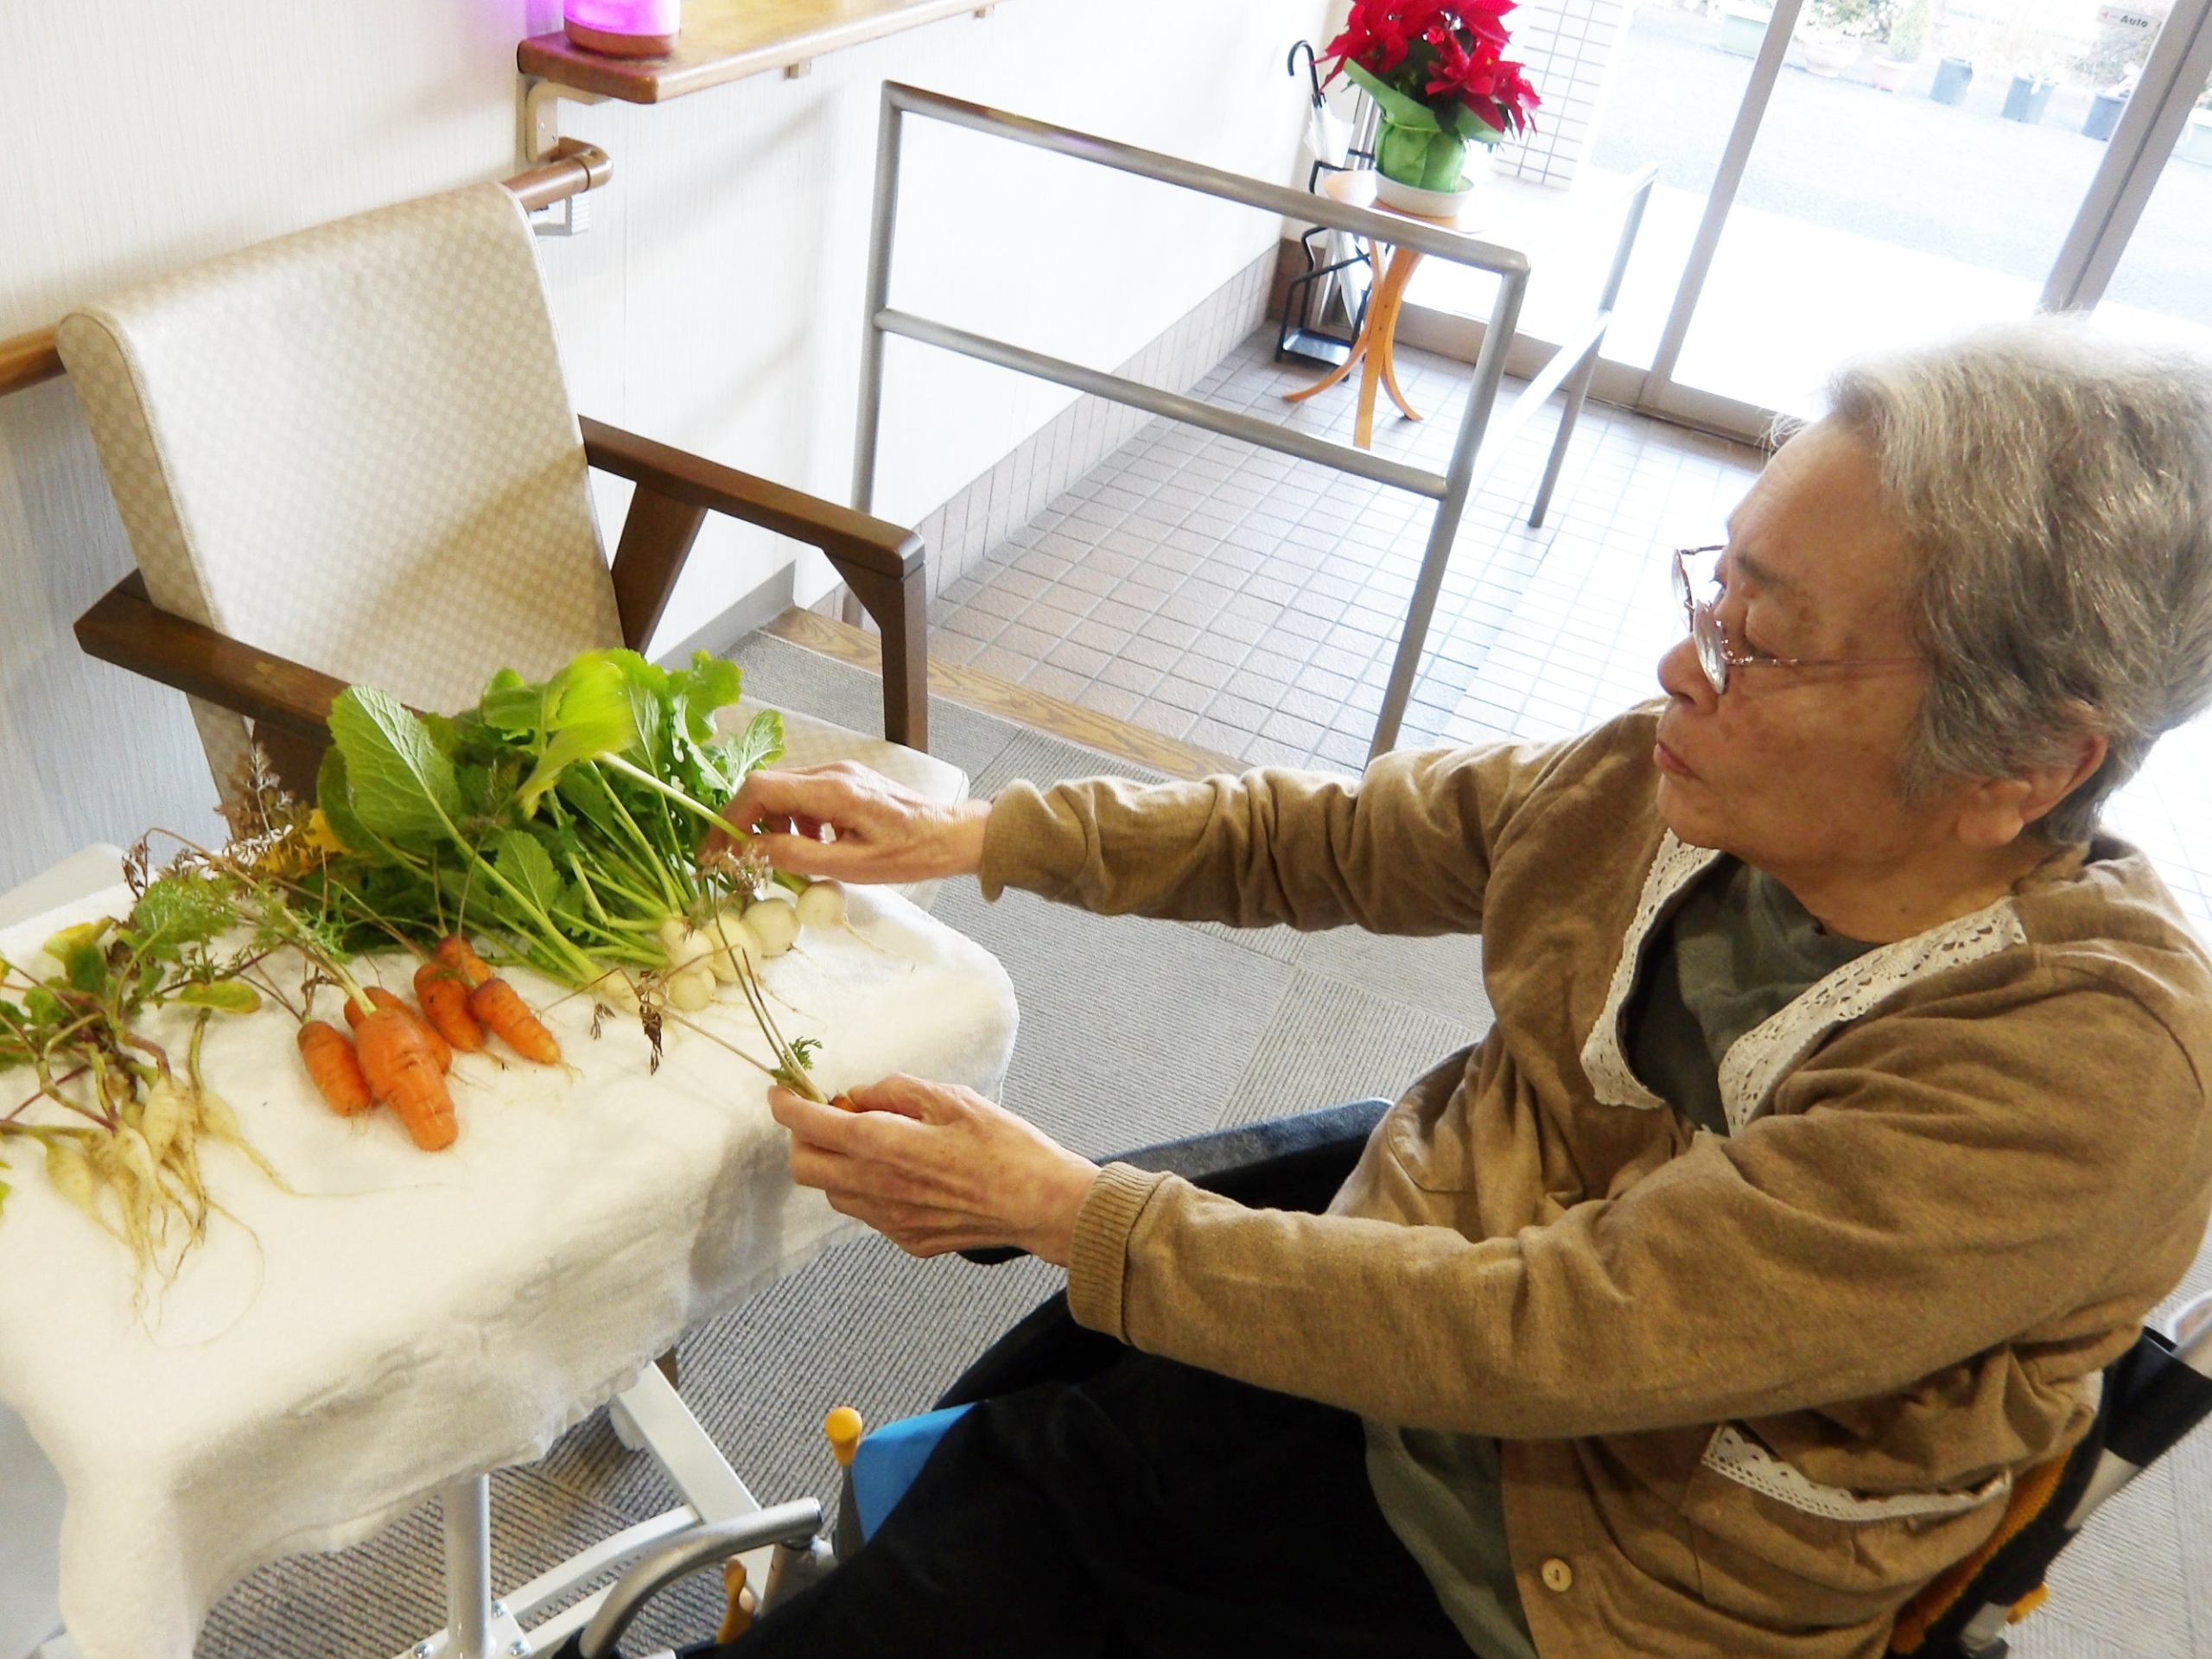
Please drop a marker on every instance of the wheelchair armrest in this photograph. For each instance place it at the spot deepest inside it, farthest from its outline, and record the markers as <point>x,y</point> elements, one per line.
<point>692,1550</point>
<point>1286,1163</point>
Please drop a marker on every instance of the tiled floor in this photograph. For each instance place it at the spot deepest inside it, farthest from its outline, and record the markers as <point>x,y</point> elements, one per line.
<point>1250,603</point>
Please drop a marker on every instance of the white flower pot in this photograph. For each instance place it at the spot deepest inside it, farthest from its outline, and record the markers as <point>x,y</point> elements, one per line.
<point>1828,58</point>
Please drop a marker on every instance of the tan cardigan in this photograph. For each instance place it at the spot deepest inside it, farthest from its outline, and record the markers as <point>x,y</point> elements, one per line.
<point>1755,1390</point>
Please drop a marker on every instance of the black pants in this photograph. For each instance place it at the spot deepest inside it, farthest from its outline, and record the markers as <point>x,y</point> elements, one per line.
<point>1151,1509</point>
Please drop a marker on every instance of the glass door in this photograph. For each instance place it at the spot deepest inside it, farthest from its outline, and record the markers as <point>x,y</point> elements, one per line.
<point>1917,171</point>
<point>1836,176</point>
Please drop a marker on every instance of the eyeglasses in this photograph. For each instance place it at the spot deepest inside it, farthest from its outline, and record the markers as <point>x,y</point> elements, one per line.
<point>1716,655</point>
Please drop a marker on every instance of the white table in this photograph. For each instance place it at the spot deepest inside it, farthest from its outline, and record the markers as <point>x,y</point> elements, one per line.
<point>409,1321</point>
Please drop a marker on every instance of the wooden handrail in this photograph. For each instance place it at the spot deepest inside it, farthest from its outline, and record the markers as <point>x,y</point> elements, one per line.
<point>575,168</point>
<point>26,360</point>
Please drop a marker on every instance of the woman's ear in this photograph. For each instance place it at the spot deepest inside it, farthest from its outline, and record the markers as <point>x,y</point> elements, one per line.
<point>1997,809</point>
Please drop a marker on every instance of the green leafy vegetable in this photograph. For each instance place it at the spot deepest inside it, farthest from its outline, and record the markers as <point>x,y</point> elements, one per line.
<point>398,783</point>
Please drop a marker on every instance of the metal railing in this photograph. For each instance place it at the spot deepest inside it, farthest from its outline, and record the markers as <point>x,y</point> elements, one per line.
<point>1476,450</point>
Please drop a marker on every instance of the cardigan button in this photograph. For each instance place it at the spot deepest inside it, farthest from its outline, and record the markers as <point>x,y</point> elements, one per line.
<point>1557,1575</point>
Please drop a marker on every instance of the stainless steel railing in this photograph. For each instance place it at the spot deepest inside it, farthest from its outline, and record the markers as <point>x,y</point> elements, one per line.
<point>1476,449</point>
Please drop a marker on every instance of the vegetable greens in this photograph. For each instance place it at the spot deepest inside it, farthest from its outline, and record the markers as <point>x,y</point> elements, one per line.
<point>566,817</point>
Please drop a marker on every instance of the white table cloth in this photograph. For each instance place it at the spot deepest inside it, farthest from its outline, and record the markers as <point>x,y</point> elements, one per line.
<point>322,1364</point>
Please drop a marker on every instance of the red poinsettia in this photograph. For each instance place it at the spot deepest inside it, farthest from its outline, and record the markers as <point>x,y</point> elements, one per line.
<point>1445,56</point>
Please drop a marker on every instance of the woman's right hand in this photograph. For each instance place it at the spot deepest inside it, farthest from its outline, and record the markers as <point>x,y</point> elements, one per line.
<point>882,831</point>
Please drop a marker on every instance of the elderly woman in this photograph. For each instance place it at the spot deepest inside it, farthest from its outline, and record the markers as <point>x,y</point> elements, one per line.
<point>1844,1111</point>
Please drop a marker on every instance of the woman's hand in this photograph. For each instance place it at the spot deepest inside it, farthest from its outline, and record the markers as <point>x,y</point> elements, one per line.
<point>935,1167</point>
<point>884,831</point>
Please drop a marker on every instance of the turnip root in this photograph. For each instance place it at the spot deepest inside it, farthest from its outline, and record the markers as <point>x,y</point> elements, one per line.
<point>735,947</point>
<point>822,904</point>
<point>691,990</point>
<point>774,923</point>
<point>686,947</point>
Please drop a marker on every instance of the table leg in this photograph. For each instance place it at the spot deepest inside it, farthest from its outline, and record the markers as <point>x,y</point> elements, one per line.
<point>467,1507</point>
<point>1359,351</point>
<point>1384,311</point>
<point>1578,389</point>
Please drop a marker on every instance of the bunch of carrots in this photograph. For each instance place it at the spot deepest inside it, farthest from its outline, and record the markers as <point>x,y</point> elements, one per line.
<point>398,1056</point>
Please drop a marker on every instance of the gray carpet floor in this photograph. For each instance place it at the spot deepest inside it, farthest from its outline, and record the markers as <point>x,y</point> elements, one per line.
<point>1132,1031</point>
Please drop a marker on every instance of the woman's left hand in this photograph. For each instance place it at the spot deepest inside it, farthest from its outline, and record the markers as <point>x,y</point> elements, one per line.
<point>935,1167</point>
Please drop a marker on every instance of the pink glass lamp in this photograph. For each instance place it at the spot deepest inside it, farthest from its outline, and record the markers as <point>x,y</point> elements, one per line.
<point>623,28</point>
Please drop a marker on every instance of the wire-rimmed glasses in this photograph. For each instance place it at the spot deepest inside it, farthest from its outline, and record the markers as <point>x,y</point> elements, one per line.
<point>1716,655</point>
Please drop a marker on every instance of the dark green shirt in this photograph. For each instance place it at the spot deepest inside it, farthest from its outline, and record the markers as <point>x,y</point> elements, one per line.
<point>1737,949</point>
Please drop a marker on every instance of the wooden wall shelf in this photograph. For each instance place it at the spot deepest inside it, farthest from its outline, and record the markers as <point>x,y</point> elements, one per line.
<point>728,40</point>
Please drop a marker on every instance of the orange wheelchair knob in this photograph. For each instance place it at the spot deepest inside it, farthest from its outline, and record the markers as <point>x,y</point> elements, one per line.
<point>844,1428</point>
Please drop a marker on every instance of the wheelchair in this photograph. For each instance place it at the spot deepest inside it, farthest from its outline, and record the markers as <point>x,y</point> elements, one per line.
<point>2154,1395</point>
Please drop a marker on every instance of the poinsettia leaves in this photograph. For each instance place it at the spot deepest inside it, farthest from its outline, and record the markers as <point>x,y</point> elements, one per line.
<point>401,785</point>
<point>1401,109</point>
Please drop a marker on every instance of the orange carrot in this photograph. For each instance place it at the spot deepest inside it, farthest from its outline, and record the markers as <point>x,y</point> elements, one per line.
<point>402,1074</point>
<point>459,957</point>
<point>441,1051</point>
<point>504,1013</point>
<point>334,1067</point>
<point>445,1005</point>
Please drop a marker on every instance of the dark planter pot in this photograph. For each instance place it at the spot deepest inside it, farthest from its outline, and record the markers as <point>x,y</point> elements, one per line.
<point>2026,98</point>
<point>1953,77</point>
<point>2104,115</point>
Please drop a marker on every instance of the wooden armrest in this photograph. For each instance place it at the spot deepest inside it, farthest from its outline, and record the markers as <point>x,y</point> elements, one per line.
<point>885,567</point>
<point>848,536</point>
<point>289,703</point>
<point>128,629</point>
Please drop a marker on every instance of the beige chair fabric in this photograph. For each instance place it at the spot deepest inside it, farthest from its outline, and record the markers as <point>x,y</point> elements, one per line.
<point>353,446</point>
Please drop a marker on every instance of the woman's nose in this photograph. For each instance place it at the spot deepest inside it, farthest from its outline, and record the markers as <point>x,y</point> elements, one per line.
<point>1682,676</point>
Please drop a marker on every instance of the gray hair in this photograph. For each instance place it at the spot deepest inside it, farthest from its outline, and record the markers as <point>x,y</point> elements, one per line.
<point>2057,484</point>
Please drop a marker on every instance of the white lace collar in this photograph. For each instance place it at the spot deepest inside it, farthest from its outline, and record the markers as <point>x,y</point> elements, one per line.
<point>1757,1061</point>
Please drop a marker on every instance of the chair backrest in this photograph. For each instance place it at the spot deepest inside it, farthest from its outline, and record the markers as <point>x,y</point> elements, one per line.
<point>2154,1394</point>
<point>353,446</point>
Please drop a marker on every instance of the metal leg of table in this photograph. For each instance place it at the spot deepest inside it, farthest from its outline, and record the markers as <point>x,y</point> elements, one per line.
<point>648,1414</point>
<point>476,1626</point>
<point>1578,389</point>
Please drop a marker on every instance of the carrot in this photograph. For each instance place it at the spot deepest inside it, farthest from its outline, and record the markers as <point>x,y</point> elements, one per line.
<point>445,1005</point>
<point>441,1051</point>
<point>504,1013</point>
<point>334,1067</point>
<point>459,957</point>
<point>402,1074</point>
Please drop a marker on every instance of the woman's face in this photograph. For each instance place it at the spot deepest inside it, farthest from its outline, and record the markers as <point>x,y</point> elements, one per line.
<point>1797,770</point>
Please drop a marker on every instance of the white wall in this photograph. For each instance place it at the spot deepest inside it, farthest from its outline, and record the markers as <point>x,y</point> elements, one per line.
<point>715,302</point>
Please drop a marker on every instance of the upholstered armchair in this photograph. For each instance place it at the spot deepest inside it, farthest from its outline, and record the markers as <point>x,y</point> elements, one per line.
<point>348,455</point>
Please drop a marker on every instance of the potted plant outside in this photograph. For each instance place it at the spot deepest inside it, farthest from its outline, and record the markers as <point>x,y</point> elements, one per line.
<point>1907,39</point>
<point>1835,31</point>
<point>1439,76</point>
